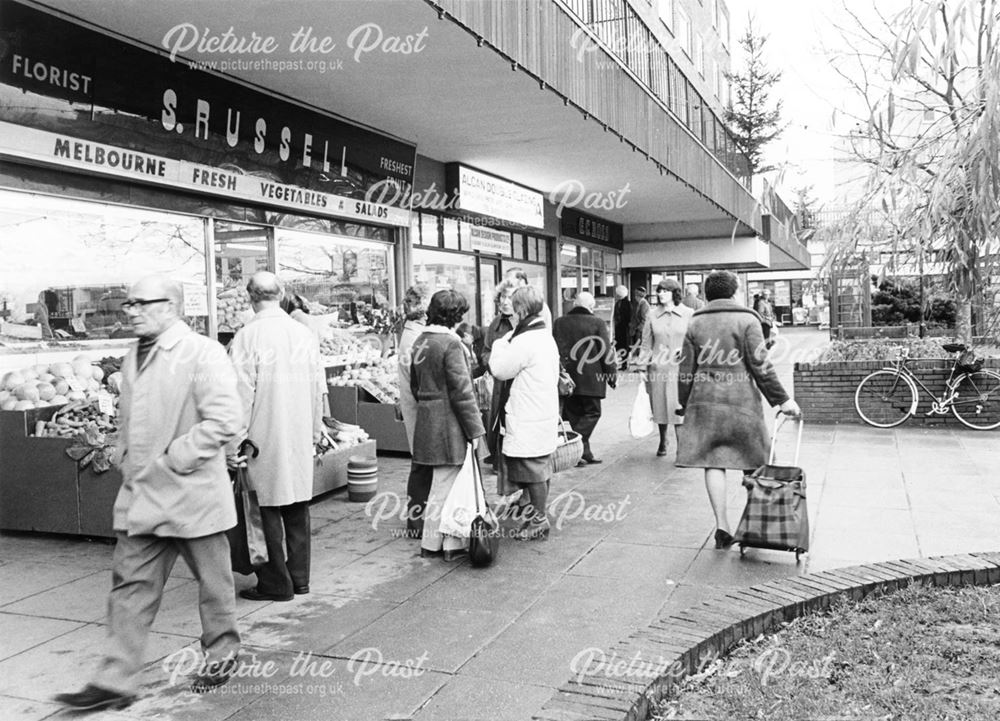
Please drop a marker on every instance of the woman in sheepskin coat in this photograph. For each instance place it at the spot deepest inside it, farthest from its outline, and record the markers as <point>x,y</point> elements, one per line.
<point>724,369</point>
<point>528,359</point>
<point>448,417</point>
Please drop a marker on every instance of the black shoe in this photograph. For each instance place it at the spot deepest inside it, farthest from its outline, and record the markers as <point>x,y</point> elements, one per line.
<point>92,698</point>
<point>581,463</point>
<point>456,555</point>
<point>214,675</point>
<point>593,461</point>
<point>662,450</point>
<point>426,553</point>
<point>301,590</point>
<point>252,594</point>
<point>723,539</point>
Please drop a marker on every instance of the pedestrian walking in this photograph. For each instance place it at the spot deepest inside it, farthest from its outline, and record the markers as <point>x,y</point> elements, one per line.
<point>762,304</point>
<point>519,278</point>
<point>502,324</point>
<point>447,419</point>
<point>692,297</point>
<point>178,409</point>
<point>585,351</point>
<point>418,484</point>
<point>281,383</point>
<point>640,310</point>
<point>724,370</point>
<point>621,318</point>
<point>528,359</point>
<point>662,341</point>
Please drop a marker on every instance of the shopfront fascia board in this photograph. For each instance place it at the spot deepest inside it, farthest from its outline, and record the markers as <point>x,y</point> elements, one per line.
<point>744,253</point>
<point>96,89</point>
<point>46,148</point>
<point>486,195</point>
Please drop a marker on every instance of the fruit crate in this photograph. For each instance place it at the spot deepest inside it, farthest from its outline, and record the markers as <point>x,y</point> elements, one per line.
<point>39,488</point>
<point>351,404</point>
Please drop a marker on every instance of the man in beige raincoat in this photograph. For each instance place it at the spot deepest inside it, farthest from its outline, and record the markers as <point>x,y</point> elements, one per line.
<point>178,409</point>
<point>281,384</point>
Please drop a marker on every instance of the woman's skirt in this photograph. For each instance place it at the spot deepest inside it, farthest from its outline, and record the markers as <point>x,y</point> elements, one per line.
<point>519,472</point>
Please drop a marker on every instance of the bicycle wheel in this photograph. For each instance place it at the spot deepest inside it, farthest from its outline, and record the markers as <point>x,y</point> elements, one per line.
<point>885,399</point>
<point>977,400</point>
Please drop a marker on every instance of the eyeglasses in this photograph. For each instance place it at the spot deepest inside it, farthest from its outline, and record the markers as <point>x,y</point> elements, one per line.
<point>141,303</point>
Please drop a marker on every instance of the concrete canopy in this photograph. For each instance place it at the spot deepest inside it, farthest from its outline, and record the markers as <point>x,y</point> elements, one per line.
<point>396,66</point>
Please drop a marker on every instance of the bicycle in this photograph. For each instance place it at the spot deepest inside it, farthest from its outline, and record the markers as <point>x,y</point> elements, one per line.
<point>888,397</point>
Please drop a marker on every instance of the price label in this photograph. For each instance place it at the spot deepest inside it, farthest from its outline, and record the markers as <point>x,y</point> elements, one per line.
<point>106,403</point>
<point>75,384</point>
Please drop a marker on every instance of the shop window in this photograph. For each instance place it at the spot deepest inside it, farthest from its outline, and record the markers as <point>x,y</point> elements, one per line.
<point>569,254</point>
<point>464,236</point>
<point>450,228</point>
<point>543,250</point>
<point>517,247</point>
<point>429,235</point>
<point>240,251</point>
<point>532,249</point>
<point>68,265</point>
<point>586,260</point>
<point>569,284</point>
<point>346,281</point>
<point>415,228</point>
<point>447,271</point>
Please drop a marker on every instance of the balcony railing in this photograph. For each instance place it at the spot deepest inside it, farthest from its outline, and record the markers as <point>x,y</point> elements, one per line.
<point>626,35</point>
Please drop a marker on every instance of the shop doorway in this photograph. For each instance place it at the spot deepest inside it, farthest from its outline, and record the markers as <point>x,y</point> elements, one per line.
<point>489,279</point>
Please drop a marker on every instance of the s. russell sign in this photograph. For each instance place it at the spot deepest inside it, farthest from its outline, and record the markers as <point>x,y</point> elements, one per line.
<point>69,80</point>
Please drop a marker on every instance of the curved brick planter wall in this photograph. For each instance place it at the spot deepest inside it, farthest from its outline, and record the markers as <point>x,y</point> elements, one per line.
<point>825,391</point>
<point>709,630</point>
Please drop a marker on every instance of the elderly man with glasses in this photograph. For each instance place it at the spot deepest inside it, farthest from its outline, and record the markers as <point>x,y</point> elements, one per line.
<point>179,408</point>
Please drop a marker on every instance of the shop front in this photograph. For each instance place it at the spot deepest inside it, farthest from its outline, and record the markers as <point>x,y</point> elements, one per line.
<point>118,163</point>
<point>482,228</point>
<point>590,259</point>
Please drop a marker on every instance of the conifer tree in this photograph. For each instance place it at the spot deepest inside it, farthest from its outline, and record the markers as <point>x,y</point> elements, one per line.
<point>752,118</point>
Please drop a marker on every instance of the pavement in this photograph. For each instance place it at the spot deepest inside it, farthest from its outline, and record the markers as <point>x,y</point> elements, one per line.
<point>385,634</point>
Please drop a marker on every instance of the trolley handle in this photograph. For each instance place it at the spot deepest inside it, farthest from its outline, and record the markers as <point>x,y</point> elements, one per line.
<point>779,422</point>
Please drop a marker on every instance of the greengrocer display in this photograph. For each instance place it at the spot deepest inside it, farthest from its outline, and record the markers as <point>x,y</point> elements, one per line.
<point>57,384</point>
<point>378,377</point>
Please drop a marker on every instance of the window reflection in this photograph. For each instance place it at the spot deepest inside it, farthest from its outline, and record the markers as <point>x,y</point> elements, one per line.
<point>67,266</point>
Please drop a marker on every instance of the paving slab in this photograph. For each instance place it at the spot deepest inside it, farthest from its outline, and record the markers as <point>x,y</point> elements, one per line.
<point>29,578</point>
<point>20,633</point>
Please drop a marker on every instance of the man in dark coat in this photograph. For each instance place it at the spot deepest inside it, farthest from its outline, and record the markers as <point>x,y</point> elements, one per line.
<point>620,322</point>
<point>585,351</point>
<point>640,311</point>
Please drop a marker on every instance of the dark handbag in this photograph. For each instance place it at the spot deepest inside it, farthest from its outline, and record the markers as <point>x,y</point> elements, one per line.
<point>484,534</point>
<point>247,546</point>
<point>566,383</point>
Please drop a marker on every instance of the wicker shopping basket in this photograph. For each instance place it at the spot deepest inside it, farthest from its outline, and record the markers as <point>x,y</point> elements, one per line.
<point>569,451</point>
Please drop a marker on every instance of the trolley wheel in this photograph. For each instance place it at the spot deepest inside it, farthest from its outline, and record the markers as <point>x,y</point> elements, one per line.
<point>743,549</point>
<point>798,555</point>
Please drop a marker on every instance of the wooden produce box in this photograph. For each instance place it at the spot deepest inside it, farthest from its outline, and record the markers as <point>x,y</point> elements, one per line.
<point>344,403</point>
<point>379,419</point>
<point>331,471</point>
<point>97,501</point>
<point>38,481</point>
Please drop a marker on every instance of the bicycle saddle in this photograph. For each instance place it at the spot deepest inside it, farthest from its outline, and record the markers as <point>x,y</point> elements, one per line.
<point>954,347</point>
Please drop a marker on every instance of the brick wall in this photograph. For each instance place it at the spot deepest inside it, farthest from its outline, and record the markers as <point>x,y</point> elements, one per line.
<point>825,391</point>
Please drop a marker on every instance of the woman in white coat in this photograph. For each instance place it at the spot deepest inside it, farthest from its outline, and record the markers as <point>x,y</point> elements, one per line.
<point>528,359</point>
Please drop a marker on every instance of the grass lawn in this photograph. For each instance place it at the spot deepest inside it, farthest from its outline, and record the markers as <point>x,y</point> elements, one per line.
<point>920,654</point>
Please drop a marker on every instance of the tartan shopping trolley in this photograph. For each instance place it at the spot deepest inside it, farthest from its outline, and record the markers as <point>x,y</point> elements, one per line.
<point>775,516</point>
